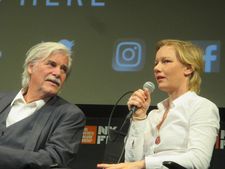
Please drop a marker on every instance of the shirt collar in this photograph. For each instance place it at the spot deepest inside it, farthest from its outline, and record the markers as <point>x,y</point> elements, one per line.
<point>183,99</point>
<point>20,99</point>
<point>180,100</point>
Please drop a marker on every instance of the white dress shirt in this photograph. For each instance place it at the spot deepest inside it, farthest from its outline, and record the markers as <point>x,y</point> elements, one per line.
<point>20,109</point>
<point>187,136</point>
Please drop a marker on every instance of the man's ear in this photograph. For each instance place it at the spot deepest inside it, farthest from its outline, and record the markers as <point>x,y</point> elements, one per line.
<point>30,68</point>
<point>188,70</point>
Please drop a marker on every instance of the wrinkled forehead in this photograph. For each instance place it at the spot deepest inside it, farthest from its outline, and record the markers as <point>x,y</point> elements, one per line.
<point>55,55</point>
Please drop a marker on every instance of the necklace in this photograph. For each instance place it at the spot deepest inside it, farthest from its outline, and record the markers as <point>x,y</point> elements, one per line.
<point>158,140</point>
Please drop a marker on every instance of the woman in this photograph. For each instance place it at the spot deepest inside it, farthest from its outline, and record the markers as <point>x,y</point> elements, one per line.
<point>184,127</point>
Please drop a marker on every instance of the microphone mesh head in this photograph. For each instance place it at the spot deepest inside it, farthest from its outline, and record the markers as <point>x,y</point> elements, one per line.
<point>150,86</point>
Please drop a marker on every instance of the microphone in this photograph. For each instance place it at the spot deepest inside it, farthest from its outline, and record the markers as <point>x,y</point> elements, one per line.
<point>147,85</point>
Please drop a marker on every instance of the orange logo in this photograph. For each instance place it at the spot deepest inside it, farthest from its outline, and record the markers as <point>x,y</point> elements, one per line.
<point>89,135</point>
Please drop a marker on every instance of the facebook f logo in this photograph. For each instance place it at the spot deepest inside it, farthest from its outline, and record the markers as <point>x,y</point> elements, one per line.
<point>211,55</point>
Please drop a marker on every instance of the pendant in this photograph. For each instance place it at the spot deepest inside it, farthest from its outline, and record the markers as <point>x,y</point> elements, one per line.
<point>157,140</point>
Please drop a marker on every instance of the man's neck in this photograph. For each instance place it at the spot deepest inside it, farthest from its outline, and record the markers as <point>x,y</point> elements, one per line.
<point>31,97</point>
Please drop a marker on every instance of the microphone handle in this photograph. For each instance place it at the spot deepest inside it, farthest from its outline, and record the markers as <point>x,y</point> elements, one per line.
<point>132,111</point>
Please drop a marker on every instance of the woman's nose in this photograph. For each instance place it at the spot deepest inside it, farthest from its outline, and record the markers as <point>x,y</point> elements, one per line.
<point>157,67</point>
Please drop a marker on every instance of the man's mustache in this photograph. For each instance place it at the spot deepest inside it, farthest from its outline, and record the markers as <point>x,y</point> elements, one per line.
<point>53,79</point>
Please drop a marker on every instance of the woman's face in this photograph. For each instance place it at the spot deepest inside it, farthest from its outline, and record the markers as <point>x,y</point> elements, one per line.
<point>171,75</point>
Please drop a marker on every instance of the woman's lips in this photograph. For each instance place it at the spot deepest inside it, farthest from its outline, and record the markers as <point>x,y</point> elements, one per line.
<point>159,78</point>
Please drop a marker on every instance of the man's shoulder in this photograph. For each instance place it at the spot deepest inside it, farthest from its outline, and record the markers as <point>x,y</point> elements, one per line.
<point>65,105</point>
<point>63,102</point>
<point>4,94</point>
<point>63,110</point>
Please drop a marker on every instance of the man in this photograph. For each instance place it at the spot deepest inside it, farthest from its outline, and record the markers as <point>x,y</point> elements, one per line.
<point>39,129</point>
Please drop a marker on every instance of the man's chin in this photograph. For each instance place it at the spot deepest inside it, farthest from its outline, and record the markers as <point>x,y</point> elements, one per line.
<point>50,93</point>
<point>50,90</point>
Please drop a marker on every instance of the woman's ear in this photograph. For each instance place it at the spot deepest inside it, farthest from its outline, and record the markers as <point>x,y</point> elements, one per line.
<point>188,70</point>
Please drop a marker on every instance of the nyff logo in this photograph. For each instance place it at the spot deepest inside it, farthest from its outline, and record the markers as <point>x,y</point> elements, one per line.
<point>128,55</point>
<point>211,55</point>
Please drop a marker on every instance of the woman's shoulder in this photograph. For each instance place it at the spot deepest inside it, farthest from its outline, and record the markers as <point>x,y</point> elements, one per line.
<point>204,101</point>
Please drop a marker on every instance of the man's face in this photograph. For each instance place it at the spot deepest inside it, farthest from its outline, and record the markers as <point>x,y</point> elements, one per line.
<point>48,76</point>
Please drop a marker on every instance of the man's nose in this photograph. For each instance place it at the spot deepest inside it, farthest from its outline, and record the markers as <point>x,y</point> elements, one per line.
<point>56,71</point>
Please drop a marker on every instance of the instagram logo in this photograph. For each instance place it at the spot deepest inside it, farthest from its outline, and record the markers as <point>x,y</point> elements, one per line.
<point>128,56</point>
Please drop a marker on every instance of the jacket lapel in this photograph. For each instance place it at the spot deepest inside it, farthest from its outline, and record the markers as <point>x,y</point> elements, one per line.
<point>5,100</point>
<point>40,122</point>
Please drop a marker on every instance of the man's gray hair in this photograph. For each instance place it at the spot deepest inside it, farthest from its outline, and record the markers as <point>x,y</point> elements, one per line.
<point>42,51</point>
